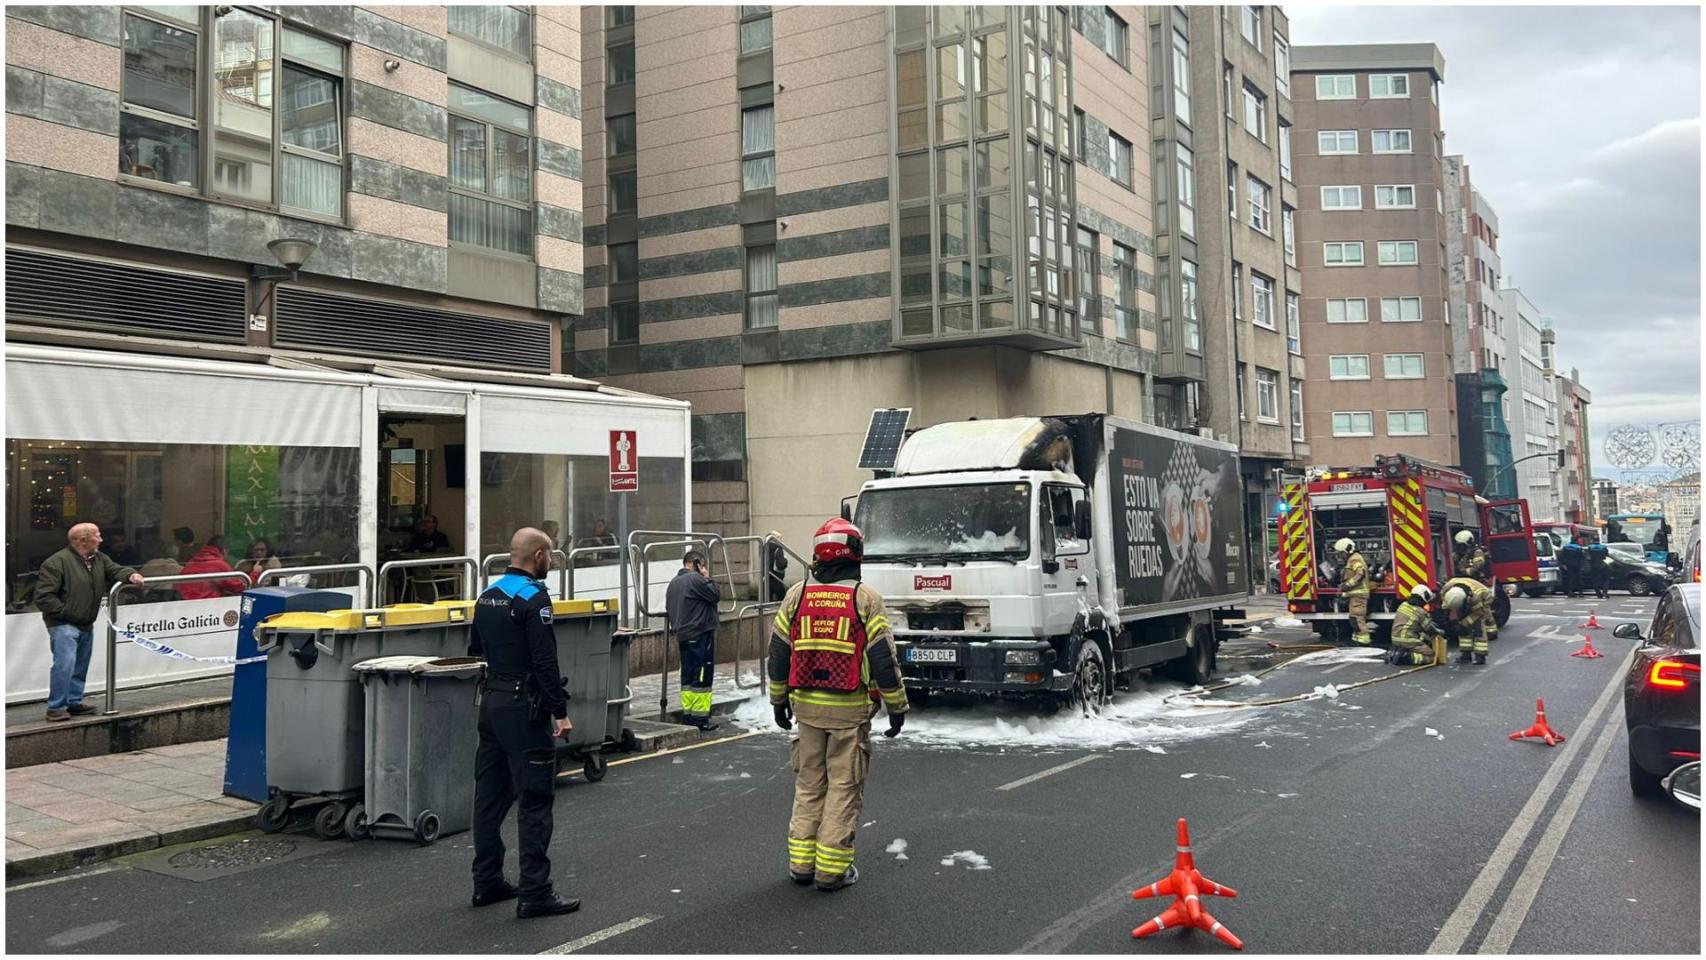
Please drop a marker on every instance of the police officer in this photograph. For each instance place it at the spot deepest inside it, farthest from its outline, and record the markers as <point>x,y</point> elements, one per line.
<point>1413,628</point>
<point>523,708</point>
<point>1471,559</point>
<point>1353,586</point>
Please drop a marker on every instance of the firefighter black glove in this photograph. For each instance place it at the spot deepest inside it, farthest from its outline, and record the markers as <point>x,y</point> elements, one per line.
<point>896,721</point>
<point>784,716</point>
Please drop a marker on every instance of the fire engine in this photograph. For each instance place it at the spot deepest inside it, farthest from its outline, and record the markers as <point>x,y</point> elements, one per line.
<point>1402,513</point>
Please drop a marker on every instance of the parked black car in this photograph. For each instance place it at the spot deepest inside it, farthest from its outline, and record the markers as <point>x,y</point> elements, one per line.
<point>1661,694</point>
<point>1638,575</point>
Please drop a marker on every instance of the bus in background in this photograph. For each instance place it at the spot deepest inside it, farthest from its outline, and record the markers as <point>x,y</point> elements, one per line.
<point>1644,529</point>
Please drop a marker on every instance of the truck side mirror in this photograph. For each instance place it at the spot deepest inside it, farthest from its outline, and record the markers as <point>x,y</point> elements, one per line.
<point>1081,520</point>
<point>847,507</point>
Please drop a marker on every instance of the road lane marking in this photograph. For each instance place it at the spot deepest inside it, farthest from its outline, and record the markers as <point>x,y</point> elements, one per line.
<point>600,936</point>
<point>1051,771</point>
<point>70,876</point>
<point>1458,926</point>
<point>1510,918</point>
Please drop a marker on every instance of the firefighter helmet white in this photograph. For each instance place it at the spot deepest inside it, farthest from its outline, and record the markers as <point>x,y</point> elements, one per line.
<point>1421,594</point>
<point>1344,545</point>
<point>1454,599</point>
<point>1464,538</point>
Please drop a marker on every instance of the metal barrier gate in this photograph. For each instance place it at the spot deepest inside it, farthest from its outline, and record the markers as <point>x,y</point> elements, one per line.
<point>112,618</point>
<point>364,578</point>
<point>470,573</point>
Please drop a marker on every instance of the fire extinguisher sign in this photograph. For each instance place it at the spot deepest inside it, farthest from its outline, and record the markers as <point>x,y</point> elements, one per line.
<point>624,462</point>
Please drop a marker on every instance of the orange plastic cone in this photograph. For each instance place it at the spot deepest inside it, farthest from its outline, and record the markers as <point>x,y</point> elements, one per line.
<point>1185,885</point>
<point>1587,650</point>
<point>1541,730</point>
<point>1593,620</point>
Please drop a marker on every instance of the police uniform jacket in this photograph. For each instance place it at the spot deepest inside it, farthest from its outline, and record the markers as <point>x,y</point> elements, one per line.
<point>512,630</point>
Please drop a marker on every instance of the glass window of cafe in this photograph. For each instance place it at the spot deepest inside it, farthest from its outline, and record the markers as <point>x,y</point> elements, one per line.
<point>159,505</point>
<point>569,497</point>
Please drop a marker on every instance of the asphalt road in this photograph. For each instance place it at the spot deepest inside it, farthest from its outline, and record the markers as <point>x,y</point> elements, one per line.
<point>1345,825</point>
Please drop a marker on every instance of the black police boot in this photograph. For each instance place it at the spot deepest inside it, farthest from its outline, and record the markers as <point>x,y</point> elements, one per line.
<point>504,890</point>
<point>551,906</point>
<point>1481,659</point>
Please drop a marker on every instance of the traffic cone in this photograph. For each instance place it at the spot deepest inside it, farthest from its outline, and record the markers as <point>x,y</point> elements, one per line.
<point>1185,885</point>
<point>1541,730</point>
<point>1593,620</point>
<point>1587,650</point>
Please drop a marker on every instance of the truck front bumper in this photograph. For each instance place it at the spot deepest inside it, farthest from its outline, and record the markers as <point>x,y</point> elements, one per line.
<point>995,668</point>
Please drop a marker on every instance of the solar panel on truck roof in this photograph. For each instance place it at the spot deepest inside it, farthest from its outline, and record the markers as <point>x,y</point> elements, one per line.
<point>883,437</point>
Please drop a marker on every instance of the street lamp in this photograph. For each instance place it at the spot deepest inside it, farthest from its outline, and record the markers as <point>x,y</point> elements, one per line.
<point>292,253</point>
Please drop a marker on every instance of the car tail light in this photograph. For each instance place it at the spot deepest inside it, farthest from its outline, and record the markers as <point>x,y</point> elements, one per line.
<point>1672,674</point>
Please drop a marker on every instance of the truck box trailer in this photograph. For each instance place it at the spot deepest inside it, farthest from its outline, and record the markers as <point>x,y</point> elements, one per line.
<point>1055,556</point>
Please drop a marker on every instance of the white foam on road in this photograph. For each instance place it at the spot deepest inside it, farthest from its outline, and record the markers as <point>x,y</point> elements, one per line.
<point>971,858</point>
<point>898,848</point>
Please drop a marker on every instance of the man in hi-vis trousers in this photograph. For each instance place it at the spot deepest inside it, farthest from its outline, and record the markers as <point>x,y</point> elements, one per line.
<point>832,656</point>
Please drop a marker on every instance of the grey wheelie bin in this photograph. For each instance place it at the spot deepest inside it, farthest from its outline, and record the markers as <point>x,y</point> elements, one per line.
<point>314,698</point>
<point>585,654</point>
<point>422,731</point>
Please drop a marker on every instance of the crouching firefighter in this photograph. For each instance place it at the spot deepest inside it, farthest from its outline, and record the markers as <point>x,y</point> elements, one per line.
<point>1470,606</point>
<point>832,657</point>
<point>1413,629</point>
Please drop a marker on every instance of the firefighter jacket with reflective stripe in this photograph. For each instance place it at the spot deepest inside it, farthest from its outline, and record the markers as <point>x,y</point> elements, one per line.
<point>831,702</point>
<point>1412,624</point>
<point>1355,578</point>
<point>1472,563</point>
<point>1480,595</point>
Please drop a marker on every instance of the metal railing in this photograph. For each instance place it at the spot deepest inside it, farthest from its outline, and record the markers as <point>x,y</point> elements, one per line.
<point>364,578</point>
<point>470,573</point>
<point>576,553</point>
<point>763,611</point>
<point>112,618</point>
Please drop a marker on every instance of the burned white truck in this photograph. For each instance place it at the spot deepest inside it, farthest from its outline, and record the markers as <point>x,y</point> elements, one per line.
<point>1054,557</point>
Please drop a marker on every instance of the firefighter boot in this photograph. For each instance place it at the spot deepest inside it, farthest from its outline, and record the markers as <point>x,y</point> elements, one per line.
<point>1464,656</point>
<point>1480,659</point>
<point>845,880</point>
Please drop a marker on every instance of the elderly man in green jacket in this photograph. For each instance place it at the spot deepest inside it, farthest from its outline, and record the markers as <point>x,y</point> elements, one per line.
<point>69,588</point>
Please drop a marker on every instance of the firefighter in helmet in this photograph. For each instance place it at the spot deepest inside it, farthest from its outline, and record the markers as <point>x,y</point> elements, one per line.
<point>1413,629</point>
<point>1469,559</point>
<point>832,660</point>
<point>1353,586</point>
<point>1469,605</point>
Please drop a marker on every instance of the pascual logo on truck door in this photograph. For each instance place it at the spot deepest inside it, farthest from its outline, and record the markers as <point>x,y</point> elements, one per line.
<point>943,582</point>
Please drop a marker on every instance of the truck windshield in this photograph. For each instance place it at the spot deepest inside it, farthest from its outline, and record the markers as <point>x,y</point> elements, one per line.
<point>954,521</point>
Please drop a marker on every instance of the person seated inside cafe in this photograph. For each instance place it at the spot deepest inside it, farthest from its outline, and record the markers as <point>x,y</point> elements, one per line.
<point>428,538</point>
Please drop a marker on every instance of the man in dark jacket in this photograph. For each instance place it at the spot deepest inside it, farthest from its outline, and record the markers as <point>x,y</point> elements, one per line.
<point>691,604</point>
<point>69,588</point>
<point>1571,559</point>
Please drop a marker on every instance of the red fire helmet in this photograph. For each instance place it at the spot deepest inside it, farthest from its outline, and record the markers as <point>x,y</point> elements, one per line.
<point>837,539</point>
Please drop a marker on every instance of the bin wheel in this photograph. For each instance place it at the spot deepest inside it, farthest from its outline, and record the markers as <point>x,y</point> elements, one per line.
<point>595,767</point>
<point>274,814</point>
<point>426,827</point>
<point>355,823</point>
<point>329,821</point>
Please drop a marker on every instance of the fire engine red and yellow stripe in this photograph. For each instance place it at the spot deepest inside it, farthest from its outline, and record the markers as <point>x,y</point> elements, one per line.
<point>1299,566</point>
<point>1409,535</point>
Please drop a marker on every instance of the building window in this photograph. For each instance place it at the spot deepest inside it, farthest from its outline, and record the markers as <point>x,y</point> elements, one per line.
<point>1187,181</point>
<point>621,129</point>
<point>758,148</point>
<point>1406,423</point>
<point>1237,290</point>
<point>1188,305</point>
<point>509,29</point>
<point>624,262</point>
<point>754,29</point>
<point>1115,35</point>
<point>1297,410</point>
<point>1336,142</point>
<point>1119,159</point>
<point>1267,395</point>
<point>1338,86</point>
<point>1403,366</point>
<point>1395,197</point>
<point>1397,252</point>
<point>1353,310</point>
<point>761,287</point>
<point>1182,77</point>
<point>1243,414</point>
<point>1282,65</point>
<point>1262,301</point>
<point>1089,265</point>
<point>1125,292</point>
<point>624,198</point>
<point>159,137</point>
<point>619,16</point>
<point>1293,324</point>
<point>1232,189</point>
<point>1228,89</point>
<point>1255,113</point>
<point>620,60</point>
<point>1341,198</point>
<point>1384,86</point>
<point>1401,309</point>
<point>1285,150</point>
<point>1080,148</point>
<point>1342,253</point>
<point>491,170</point>
<point>1288,222</point>
<point>1389,141</point>
<point>311,160</point>
<point>1358,423</point>
<point>624,323</point>
<point>1252,26</point>
<point>1348,366</point>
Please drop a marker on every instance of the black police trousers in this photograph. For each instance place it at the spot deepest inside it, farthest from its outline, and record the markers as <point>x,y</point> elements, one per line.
<point>516,760</point>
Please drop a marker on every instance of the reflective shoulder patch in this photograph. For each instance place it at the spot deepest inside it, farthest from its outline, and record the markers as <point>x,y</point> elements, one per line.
<point>545,613</point>
<point>529,589</point>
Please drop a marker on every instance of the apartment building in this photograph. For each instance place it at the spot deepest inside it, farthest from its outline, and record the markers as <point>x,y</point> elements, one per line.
<point>1227,280</point>
<point>1478,334</point>
<point>1604,497</point>
<point>1575,496</point>
<point>797,215</point>
<point>1367,148</point>
<point>1533,406</point>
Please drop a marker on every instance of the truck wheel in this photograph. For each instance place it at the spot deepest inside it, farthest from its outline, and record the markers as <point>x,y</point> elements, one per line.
<point>1501,608</point>
<point>1197,665</point>
<point>1089,679</point>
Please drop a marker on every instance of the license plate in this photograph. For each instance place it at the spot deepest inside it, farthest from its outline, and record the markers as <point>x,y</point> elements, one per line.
<point>932,655</point>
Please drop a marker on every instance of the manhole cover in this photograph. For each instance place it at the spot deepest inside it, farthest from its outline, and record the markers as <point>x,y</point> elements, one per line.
<point>233,853</point>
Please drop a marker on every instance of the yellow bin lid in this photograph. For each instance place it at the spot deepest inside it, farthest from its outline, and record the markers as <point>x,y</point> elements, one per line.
<point>460,611</point>
<point>581,608</point>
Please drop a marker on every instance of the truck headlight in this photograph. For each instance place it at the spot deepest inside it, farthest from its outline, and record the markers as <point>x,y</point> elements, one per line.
<point>1024,657</point>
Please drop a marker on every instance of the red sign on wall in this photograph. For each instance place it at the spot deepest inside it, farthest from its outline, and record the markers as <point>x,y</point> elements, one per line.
<point>624,462</point>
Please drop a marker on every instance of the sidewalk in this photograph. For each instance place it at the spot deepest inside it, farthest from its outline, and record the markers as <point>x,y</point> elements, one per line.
<point>128,701</point>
